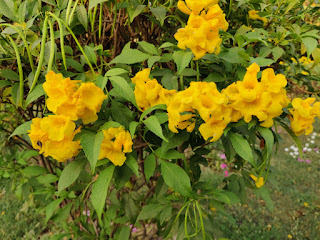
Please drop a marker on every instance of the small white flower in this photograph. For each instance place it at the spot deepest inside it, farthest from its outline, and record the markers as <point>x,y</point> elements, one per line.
<point>296,149</point>
<point>296,153</point>
<point>305,149</point>
<point>291,153</point>
<point>286,149</point>
<point>307,145</point>
<point>292,146</point>
<point>314,134</point>
<point>309,149</point>
<point>317,151</point>
<point>312,141</point>
<point>313,137</point>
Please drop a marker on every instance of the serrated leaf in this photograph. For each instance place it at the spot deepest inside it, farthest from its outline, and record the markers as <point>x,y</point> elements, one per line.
<point>130,56</point>
<point>9,10</point>
<point>166,45</point>
<point>154,126</point>
<point>93,3</point>
<point>150,211</point>
<point>310,43</point>
<point>123,88</point>
<point>9,74</point>
<point>22,129</point>
<point>52,207</point>
<point>70,173</point>
<point>132,128</point>
<point>125,233</point>
<point>132,163</point>
<point>152,60</point>
<point>100,189</point>
<point>115,72</point>
<point>91,54</point>
<point>176,178</point>
<point>34,171</point>
<point>277,52</point>
<point>149,166</point>
<point>182,59</point>
<point>82,16</point>
<point>148,47</point>
<point>133,12</point>
<point>242,147</point>
<point>159,12</point>
<point>91,144</point>
<point>37,92</point>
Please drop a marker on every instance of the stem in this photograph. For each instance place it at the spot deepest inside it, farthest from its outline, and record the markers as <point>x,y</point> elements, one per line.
<point>181,82</point>
<point>51,46</point>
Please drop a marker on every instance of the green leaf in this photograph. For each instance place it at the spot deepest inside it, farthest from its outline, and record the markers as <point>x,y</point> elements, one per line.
<point>115,72</point>
<point>215,77</point>
<point>152,60</point>
<point>34,171</point>
<point>150,211</point>
<point>133,12</point>
<point>166,45</point>
<point>125,233</point>
<point>22,129</point>
<point>165,214</point>
<point>315,55</point>
<point>235,55</point>
<point>262,62</point>
<point>47,179</point>
<point>93,3</point>
<point>52,207</point>
<point>170,81</point>
<point>9,10</point>
<point>268,137</point>
<point>310,43</point>
<point>291,5</point>
<point>182,59</point>
<point>242,147</point>
<point>176,178</point>
<point>70,173</point>
<point>91,54</point>
<point>109,125</point>
<point>132,163</point>
<point>277,52</point>
<point>100,189</point>
<point>149,166</point>
<point>154,126</point>
<point>132,128</point>
<point>130,56</point>
<point>149,110</point>
<point>123,88</point>
<point>121,113</point>
<point>159,12</point>
<point>37,92</point>
<point>9,74</point>
<point>148,47</point>
<point>91,144</point>
<point>4,83</point>
<point>82,16</point>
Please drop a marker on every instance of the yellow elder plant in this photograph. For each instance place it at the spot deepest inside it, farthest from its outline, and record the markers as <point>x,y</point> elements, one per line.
<point>134,137</point>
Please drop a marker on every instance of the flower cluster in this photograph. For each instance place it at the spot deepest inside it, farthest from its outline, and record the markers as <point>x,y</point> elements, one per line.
<point>66,97</point>
<point>115,144</point>
<point>303,115</point>
<point>253,14</point>
<point>242,99</point>
<point>149,92</point>
<point>264,99</point>
<point>53,136</point>
<point>201,33</point>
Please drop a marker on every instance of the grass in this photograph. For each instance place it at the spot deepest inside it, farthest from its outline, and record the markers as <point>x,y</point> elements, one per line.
<point>295,191</point>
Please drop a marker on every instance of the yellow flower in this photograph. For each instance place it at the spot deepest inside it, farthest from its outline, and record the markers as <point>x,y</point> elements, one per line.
<point>303,115</point>
<point>115,144</point>
<point>306,204</point>
<point>259,182</point>
<point>253,14</point>
<point>149,93</point>
<point>53,136</point>
<point>290,236</point>
<point>2,213</point>
<point>89,100</point>
<point>65,97</point>
<point>201,33</point>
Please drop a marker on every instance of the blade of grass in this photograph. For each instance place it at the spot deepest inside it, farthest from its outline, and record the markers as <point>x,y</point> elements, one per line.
<point>100,19</point>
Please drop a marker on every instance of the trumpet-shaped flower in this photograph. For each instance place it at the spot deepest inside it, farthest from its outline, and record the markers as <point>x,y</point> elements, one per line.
<point>259,182</point>
<point>149,93</point>
<point>70,98</point>
<point>195,6</point>
<point>115,144</point>
<point>53,136</point>
<point>253,14</point>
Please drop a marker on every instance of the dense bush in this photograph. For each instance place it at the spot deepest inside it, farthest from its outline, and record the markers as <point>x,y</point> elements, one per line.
<point>128,147</point>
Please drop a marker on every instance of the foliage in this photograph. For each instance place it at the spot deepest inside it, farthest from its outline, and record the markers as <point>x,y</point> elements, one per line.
<point>133,154</point>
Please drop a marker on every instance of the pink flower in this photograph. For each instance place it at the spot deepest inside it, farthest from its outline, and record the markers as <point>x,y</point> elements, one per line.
<point>226,173</point>
<point>316,149</point>
<point>134,230</point>
<point>308,161</point>
<point>223,166</point>
<point>222,156</point>
<point>300,159</point>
